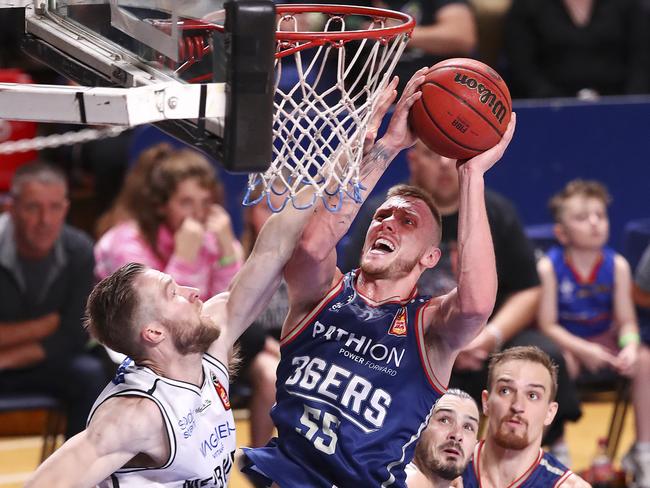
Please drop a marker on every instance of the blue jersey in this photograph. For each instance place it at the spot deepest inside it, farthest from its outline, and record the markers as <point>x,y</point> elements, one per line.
<point>584,306</point>
<point>354,391</point>
<point>545,472</point>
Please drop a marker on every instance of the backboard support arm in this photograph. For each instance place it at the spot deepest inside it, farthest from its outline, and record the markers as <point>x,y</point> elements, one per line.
<point>230,118</point>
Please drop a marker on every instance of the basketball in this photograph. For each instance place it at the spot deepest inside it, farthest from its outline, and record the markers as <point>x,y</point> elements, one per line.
<point>464,109</point>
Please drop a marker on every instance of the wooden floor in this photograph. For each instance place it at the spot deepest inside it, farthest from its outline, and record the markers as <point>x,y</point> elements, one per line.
<point>20,455</point>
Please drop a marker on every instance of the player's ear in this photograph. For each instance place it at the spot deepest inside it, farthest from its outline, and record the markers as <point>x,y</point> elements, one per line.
<point>431,257</point>
<point>153,333</point>
<point>484,403</point>
<point>550,413</point>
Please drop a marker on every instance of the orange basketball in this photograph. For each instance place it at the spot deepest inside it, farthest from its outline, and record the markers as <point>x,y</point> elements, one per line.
<point>464,109</point>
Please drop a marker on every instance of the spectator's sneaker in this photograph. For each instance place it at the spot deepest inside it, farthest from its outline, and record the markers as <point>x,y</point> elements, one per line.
<point>561,452</point>
<point>637,463</point>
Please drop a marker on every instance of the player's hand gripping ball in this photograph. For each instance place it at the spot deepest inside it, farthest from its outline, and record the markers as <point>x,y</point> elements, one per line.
<point>464,109</point>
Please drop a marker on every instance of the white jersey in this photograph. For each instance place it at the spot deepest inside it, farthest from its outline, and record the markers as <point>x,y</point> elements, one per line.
<point>199,424</point>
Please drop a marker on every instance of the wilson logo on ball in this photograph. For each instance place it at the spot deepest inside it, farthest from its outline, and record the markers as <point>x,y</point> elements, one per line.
<point>486,96</point>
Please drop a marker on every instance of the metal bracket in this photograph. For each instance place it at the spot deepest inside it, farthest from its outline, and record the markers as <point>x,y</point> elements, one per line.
<point>113,106</point>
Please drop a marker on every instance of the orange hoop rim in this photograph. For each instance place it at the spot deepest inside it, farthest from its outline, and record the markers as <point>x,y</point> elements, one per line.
<point>407,25</point>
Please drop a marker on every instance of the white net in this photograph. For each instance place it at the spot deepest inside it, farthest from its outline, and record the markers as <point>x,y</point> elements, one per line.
<point>324,94</point>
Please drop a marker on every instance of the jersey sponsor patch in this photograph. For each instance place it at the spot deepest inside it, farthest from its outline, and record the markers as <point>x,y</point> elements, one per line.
<point>398,327</point>
<point>221,391</point>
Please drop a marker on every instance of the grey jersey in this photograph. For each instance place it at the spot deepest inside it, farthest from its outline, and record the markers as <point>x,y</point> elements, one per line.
<point>199,423</point>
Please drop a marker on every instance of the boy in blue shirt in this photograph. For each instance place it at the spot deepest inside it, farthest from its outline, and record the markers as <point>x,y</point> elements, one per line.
<point>586,305</point>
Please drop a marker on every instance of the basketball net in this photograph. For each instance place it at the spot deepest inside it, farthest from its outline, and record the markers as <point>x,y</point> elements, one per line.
<point>328,79</point>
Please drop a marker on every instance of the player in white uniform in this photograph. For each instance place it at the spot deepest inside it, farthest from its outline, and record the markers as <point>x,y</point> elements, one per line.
<point>165,420</point>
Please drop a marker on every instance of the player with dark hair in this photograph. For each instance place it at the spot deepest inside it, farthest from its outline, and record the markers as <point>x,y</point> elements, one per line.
<point>446,445</point>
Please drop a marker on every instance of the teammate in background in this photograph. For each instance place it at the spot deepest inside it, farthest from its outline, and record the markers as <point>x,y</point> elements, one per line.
<point>519,404</point>
<point>363,356</point>
<point>446,445</point>
<point>166,417</point>
<point>587,306</point>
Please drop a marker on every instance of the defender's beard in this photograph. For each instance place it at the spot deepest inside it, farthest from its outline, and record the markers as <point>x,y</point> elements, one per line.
<point>189,338</point>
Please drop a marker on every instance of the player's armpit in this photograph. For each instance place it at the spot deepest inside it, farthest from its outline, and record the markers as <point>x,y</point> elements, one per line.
<point>120,429</point>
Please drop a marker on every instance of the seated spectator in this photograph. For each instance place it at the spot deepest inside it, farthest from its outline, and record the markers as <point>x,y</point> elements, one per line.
<point>587,306</point>
<point>584,48</point>
<point>167,217</point>
<point>518,292</point>
<point>46,274</point>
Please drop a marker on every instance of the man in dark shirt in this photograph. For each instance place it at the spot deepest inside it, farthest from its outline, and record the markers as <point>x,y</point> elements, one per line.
<point>46,274</point>
<point>518,292</point>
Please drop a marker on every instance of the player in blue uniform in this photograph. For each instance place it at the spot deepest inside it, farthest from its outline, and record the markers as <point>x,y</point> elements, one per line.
<point>363,356</point>
<point>519,403</point>
<point>446,445</point>
<point>166,419</point>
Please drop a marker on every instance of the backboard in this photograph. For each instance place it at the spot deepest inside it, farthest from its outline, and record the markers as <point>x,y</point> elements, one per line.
<point>134,43</point>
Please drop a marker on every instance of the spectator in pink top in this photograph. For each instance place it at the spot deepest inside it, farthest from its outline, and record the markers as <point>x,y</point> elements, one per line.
<point>167,217</point>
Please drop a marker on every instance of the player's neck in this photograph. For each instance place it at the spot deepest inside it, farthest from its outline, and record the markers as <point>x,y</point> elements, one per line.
<point>419,480</point>
<point>500,467</point>
<point>437,482</point>
<point>381,289</point>
<point>186,368</point>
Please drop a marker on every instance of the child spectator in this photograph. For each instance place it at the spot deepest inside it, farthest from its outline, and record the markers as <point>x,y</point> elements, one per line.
<point>167,217</point>
<point>587,307</point>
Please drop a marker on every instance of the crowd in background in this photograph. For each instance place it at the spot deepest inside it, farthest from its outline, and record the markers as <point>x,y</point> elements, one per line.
<point>164,208</point>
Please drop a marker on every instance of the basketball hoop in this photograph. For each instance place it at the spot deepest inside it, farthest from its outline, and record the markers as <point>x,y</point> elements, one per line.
<point>331,62</point>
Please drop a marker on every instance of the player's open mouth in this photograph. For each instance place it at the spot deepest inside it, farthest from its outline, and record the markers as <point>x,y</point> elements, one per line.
<point>382,246</point>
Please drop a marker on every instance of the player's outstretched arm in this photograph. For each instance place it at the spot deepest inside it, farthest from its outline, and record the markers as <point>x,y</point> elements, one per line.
<point>467,308</point>
<point>258,279</point>
<point>120,429</point>
<point>317,249</point>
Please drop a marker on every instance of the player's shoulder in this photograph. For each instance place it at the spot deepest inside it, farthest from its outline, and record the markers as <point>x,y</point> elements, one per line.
<point>574,481</point>
<point>127,422</point>
<point>130,413</point>
<point>130,425</point>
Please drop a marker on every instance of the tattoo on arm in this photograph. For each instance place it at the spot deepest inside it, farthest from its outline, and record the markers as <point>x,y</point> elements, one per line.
<point>376,159</point>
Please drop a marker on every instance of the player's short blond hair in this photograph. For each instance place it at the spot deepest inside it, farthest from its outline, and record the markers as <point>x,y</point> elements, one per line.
<point>524,353</point>
<point>404,190</point>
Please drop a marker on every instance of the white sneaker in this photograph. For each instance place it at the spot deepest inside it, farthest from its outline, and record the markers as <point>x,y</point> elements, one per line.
<point>561,452</point>
<point>637,464</point>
